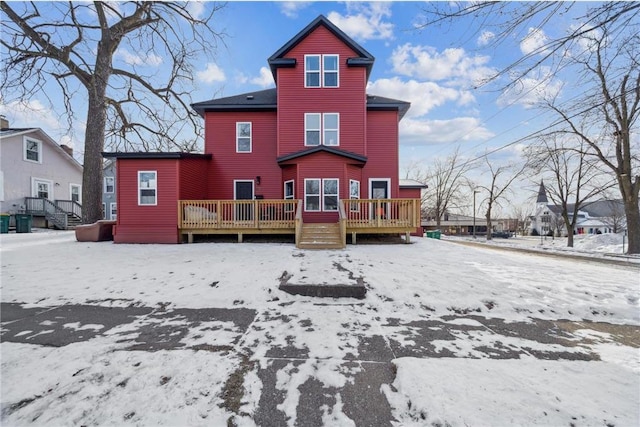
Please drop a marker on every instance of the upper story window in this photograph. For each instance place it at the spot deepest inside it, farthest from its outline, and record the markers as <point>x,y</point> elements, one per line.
<point>243,137</point>
<point>147,187</point>
<point>109,184</point>
<point>321,71</point>
<point>32,150</point>
<point>321,129</point>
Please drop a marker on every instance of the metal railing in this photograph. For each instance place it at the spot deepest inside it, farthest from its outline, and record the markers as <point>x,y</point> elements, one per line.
<point>71,207</point>
<point>48,209</point>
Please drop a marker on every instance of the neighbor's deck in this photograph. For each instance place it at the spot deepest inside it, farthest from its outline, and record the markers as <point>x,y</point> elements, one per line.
<point>365,216</point>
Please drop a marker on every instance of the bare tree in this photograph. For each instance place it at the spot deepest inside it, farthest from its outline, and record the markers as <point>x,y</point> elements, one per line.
<point>74,46</point>
<point>616,217</point>
<point>446,179</point>
<point>501,178</point>
<point>604,43</point>
<point>522,214</point>
<point>612,120</point>
<point>571,175</point>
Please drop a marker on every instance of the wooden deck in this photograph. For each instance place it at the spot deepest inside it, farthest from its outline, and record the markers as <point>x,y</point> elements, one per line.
<point>365,216</point>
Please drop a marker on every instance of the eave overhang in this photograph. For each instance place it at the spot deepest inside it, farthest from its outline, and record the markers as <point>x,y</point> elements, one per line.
<point>154,155</point>
<point>359,159</point>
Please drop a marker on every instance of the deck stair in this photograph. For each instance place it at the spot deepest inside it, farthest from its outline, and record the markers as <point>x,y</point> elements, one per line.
<point>320,236</point>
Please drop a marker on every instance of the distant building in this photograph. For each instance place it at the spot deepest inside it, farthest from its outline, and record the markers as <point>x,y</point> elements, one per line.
<point>598,217</point>
<point>109,203</point>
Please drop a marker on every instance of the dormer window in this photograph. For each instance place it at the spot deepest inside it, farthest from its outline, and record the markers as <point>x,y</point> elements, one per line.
<point>317,65</point>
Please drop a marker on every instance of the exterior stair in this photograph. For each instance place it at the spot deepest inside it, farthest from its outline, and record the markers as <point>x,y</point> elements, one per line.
<point>73,221</point>
<point>320,236</point>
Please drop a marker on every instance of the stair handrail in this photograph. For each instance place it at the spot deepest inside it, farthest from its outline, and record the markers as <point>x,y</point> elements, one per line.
<point>45,207</point>
<point>71,207</point>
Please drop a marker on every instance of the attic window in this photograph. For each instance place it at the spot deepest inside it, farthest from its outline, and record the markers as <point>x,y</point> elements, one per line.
<point>326,66</point>
<point>32,150</point>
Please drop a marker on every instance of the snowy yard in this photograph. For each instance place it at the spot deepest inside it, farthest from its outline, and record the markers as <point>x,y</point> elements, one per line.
<point>448,334</point>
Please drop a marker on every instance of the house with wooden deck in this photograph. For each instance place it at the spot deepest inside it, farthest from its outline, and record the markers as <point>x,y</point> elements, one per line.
<point>315,157</point>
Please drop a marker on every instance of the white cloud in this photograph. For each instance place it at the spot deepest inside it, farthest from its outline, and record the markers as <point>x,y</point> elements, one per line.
<point>290,8</point>
<point>456,130</point>
<point>365,21</point>
<point>424,96</point>
<point>534,42</point>
<point>265,79</point>
<point>530,91</point>
<point>151,60</point>
<point>196,8</point>
<point>452,65</point>
<point>485,38</point>
<point>211,74</point>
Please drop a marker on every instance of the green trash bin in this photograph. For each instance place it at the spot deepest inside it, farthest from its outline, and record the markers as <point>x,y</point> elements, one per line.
<point>4,223</point>
<point>430,234</point>
<point>436,234</point>
<point>23,223</point>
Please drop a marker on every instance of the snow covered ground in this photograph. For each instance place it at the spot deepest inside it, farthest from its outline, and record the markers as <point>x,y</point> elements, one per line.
<point>475,336</point>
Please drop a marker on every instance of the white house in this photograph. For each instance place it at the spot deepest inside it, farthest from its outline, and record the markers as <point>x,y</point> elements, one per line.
<point>598,217</point>
<point>38,176</point>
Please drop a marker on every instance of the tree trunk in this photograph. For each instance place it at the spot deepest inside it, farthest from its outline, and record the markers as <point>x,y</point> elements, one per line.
<point>633,223</point>
<point>93,147</point>
<point>489,227</point>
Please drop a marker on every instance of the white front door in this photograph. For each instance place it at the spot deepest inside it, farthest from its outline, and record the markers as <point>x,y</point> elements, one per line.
<point>42,188</point>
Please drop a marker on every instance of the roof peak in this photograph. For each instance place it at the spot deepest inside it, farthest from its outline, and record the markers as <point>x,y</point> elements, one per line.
<point>542,194</point>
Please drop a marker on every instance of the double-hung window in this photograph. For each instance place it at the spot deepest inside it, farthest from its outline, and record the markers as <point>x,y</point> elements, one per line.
<point>322,129</point>
<point>354,193</point>
<point>113,211</point>
<point>147,188</point>
<point>32,150</point>
<point>320,194</point>
<point>243,137</point>
<point>321,70</point>
<point>109,184</point>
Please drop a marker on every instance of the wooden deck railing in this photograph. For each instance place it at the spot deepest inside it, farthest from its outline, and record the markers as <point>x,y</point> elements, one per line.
<point>237,214</point>
<point>382,213</point>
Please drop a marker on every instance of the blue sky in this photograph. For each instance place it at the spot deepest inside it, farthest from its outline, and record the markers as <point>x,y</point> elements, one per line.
<point>437,70</point>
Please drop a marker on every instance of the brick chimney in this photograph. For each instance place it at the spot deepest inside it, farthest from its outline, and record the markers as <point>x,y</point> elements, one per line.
<point>67,149</point>
<point>4,123</point>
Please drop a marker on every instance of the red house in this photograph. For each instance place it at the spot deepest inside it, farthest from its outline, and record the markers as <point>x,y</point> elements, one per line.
<point>316,157</point>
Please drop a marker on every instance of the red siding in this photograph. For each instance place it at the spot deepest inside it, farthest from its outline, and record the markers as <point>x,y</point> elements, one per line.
<point>227,165</point>
<point>382,143</point>
<point>349,99</point>
<point>193,179</point>
<point>147,224</point>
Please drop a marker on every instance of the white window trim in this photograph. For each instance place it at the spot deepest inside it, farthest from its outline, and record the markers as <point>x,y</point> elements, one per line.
<point>104,210</point>
<point>112,205</point>
<point>79,192</point>
<point>337,71</point>
<point>113,185</point>
<point>322,129</point>
<point>25,140</point>
<point>319,71</point>
<point>380,179</point>
<point>34,187</point>
<point>149,188</point>
<point>250,137</point>
<point>253,188</point>
<point>321,194</point>
<point>288,207</point>
<point>354,207</point>
<point>322,71</point>
<point>337,194</point>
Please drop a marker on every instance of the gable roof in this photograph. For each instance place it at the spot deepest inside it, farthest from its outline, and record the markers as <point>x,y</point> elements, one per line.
<point>324,149</point>
<point>12,132</point>
<point>364,58</point>
<point>267,100</point>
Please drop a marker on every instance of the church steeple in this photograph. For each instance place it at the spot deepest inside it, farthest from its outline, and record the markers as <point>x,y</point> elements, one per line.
<point>542,194</point>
